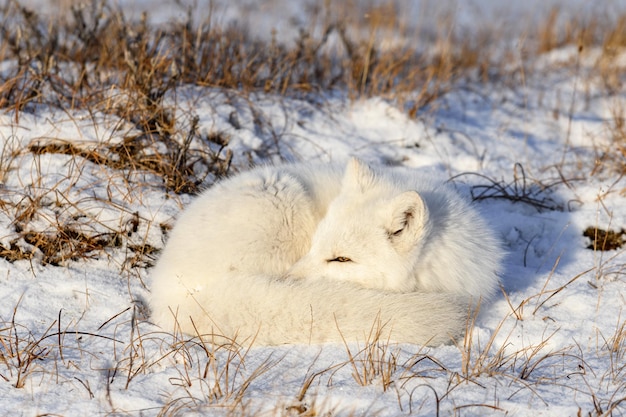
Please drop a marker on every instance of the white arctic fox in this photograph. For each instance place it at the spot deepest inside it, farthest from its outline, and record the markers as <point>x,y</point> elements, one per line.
<point>304,254</point>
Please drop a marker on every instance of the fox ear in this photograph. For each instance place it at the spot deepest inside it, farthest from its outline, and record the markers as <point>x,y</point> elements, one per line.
<point>358,175</point>
<point>409,218</point>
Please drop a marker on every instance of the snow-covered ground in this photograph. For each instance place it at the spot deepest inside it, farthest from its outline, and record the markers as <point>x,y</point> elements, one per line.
<point>75,340</point>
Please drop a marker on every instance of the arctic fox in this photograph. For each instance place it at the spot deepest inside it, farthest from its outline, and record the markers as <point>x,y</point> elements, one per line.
<point>306,254</point>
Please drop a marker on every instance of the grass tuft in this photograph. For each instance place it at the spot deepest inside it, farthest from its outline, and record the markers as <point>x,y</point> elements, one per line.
<point>605,239</point>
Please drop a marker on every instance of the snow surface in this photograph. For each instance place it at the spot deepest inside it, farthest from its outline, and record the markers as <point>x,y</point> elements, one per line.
<point>547,348</point>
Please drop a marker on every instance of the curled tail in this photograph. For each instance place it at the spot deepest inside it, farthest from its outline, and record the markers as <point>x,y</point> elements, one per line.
<point>269,311</point>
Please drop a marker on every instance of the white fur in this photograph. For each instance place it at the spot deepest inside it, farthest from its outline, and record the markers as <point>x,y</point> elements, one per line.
<point>307,254</point>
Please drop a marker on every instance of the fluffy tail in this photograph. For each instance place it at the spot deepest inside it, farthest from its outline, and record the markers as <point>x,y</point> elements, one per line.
<point>270,311</point>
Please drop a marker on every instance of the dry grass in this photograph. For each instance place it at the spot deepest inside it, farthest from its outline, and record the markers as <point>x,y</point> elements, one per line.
<point>31,356</point>
<point>214,374</point>
<point>375,362</point>
<point>21,352</point>
<point>94,59</point>
<point>93,49</point>
<point>611,157</point>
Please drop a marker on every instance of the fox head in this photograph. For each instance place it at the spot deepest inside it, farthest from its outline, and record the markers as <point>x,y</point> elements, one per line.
<point>370,235</point>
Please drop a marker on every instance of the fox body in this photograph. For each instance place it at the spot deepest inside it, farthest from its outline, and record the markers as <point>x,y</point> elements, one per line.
<point>304,254</point>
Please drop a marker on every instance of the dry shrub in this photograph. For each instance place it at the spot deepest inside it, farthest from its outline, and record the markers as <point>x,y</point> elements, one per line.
<point>609,68</point>
<point>95,47</point>
<point>581,31</point>
<point>182,163</point>
<point>521,189</point>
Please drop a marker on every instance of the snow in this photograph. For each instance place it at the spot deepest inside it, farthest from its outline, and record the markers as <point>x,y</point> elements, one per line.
<point>552,344</point>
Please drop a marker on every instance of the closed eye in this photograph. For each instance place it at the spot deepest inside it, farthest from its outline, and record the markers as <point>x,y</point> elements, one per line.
<point>340,259</point>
